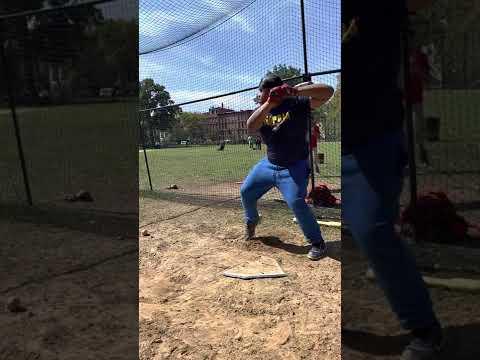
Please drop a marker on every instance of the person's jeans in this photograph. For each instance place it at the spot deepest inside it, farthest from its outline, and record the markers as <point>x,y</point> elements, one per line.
<point>372,179</point>
<point>292,183</point>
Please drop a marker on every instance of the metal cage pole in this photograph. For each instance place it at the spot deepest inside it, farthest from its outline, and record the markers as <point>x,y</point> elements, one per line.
<point>12,105</point>
<point>307,77</point>
<point>145,153</point>
<point>409,116</point>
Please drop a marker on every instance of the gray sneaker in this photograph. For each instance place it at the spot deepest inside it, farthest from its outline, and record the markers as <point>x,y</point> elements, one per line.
<point>425,348</point>
<point>317,252</point>
<point>250,229</point>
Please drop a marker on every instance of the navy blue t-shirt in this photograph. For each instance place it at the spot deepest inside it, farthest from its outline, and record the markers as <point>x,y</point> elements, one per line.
<point>285,131</point>
<point>371,62</point>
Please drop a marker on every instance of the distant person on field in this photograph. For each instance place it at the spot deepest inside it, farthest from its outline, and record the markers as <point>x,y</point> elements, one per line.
<point>250,142</point>
<point>315,133</point>
<point>419,74</point>
<point>258,143</point>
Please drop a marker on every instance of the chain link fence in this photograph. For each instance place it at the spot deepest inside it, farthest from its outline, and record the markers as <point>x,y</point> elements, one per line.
<point>200,66</point>
<point>444,60</point>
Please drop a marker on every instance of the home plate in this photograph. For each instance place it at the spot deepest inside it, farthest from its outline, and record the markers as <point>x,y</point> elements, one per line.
<point>265,267</point>
<point>324,223</point>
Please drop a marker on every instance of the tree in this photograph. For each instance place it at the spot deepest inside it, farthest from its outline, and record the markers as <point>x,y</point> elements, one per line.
<point>52,37</point>
<point>452,28</point>
<point>151,96</point>
<point>191,126</point>
<point>329,115</point>
<point>285,72</point>
<point>109,56</point>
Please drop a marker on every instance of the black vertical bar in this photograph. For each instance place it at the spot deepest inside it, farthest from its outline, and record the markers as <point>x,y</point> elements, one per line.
<point>465,65</point>
<point>304,38</point>
<point>409,117</point>
<point>145,153</point>
<point>305,77</point>
<point>11,102</point>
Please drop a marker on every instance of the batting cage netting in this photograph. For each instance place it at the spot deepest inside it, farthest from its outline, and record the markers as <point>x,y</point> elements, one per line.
<point>444,44</point>
<point>68,104</point>
<point>200,66</point>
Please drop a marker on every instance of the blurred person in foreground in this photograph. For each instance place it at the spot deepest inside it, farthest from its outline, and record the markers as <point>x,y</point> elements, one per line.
<point>419,75</point>
<point>374,158</point>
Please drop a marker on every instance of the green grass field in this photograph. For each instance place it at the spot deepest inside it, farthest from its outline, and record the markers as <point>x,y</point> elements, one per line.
<point>94,147</point>
<point>68,148</point>
<point>458,149</point>
<point>459,113</point>
<point>204,165</point>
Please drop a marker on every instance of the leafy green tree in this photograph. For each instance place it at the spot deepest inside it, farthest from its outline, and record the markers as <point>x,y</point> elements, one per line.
<point>110,55</point>
<point>52,37</point>
<point>452,27</point>
<point>329,115</point>
<point>191,126</point>
<point>285,72</point>
<point>151,96</point>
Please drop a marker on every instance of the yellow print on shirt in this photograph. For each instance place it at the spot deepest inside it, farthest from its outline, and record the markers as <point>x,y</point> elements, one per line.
<point>275,120</point>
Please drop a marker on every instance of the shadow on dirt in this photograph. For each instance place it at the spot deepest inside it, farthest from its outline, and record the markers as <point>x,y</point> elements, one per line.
<point>461,342</point>
<point>334,247</point>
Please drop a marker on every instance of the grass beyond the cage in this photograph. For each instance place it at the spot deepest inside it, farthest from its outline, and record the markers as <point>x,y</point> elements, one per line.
<point>204,165</point>
<point>68,148</point>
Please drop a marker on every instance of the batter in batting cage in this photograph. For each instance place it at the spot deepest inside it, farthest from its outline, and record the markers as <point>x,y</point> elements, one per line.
<point>282,119</point>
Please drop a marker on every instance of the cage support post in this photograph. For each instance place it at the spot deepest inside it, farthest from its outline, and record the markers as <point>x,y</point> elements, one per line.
<point>145,153</point>
<point>306,77</point>
<point>409,116</point>
<point>12,105</point>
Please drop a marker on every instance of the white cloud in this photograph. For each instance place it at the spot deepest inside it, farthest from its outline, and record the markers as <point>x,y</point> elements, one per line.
<point>149,68</point>
<point>243,23</point>
<point>185,95</point>
<point>206,60</point>
<point>156,23</point>
<point>247,79</point>
<point>218,5</point>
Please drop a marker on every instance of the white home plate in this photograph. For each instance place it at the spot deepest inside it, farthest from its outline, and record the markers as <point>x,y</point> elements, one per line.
<point>265,267</point>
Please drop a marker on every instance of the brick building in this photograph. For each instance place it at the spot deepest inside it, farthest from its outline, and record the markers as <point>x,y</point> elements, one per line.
<point>227,124</point>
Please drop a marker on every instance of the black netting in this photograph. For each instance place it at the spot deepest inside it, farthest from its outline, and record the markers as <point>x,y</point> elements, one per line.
<point>73,73</point>
<point>323,33</point>
<point>184,143</point>
<point>447,35</point>
<point>167,23</point>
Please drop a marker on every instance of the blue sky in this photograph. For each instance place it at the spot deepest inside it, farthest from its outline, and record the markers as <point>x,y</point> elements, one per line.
<point>237,53</point>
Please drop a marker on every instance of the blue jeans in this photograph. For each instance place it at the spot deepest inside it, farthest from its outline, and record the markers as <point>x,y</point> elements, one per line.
<point>292,183</point>
<point>372,179</point>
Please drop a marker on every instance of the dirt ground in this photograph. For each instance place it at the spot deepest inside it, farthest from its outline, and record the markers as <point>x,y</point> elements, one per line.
<point>75,284</point>
<point>371,331</point>
<point>189,310</point>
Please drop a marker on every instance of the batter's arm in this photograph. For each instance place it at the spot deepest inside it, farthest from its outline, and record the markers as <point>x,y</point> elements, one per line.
<point>319,93</point>
<point>255,121</point>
